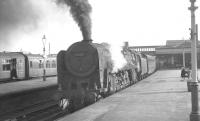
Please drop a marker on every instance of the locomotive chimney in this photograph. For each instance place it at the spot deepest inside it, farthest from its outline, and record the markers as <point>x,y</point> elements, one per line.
<point>87,40</point>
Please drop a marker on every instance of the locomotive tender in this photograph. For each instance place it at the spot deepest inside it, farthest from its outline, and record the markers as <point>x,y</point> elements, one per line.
<point>85,72</point>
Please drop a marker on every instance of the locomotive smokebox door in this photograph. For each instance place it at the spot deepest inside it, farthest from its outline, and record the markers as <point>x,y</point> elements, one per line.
<point>81,60</point>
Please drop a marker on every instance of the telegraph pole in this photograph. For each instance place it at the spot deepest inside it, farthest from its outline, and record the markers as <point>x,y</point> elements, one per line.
<point>195,115</point>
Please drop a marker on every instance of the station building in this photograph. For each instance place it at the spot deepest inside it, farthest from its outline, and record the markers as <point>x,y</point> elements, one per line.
<point>174,54</point>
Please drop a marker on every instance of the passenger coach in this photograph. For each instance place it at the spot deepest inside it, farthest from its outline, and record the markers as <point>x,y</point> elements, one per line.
<point>25,66</point>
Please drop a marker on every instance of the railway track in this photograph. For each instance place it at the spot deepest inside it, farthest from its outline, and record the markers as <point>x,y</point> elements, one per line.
<point>15,106</point>
<point>47,114</point>
<point>44,111</point>
<point>30,113</point>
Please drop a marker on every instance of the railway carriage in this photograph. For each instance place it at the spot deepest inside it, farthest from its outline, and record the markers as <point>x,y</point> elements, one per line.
<point>25,65</point>
<point>35,66</point>
<point>11,60</point>
<point>51,65</point>
<point>144,65</point>
<point>151,63</point>
<point>138,65</point>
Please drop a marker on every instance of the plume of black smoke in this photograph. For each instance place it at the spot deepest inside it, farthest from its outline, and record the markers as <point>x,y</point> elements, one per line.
<point>80,10</point>
<point>16,15</point>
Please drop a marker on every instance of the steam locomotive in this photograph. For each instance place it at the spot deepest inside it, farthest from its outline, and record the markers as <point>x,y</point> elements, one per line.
<point>85,74</point>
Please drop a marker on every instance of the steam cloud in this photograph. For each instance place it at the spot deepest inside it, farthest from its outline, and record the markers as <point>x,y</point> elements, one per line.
<point>80,10</point>
<point>110,63</point>
<point>16,15</point>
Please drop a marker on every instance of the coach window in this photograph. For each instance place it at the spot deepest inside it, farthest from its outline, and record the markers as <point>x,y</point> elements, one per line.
<point>48,64</point>
<point>20,64</point>
<point>40,64</point>
<point>53,64</point>
<point>6,65</point>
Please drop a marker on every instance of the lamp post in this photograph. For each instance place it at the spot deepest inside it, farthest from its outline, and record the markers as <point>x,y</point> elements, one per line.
<point>195,115</point>
<point>184,54</point>
<point>44,57</point>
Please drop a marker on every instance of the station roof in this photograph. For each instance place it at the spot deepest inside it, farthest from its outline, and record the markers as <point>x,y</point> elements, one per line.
<point>176,47</point>
<point>171,47</point>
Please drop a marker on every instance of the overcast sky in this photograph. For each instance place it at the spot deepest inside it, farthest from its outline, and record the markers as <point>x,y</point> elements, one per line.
<point>140,22</point>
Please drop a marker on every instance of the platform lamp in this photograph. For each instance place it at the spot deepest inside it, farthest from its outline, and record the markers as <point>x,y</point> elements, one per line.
<point>44,57</point>
<point>194,115</point>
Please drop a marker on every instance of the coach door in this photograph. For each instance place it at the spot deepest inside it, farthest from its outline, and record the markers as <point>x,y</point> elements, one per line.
<point>13,62</point>
<point>13,65</point>
<point>105,78</point>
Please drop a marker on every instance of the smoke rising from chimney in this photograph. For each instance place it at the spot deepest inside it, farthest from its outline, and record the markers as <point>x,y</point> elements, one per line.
<point>80,10</point>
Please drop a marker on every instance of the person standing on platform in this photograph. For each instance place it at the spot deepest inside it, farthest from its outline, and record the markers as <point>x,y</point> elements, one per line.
<point>14,73</point>
<point>183,72</point>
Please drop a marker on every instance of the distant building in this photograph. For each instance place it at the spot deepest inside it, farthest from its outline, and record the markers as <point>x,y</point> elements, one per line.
<point>178,43</point>
<point>171,55</point>
<point>151,50</point>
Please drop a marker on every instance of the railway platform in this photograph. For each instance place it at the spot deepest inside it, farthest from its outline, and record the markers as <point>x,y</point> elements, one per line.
<point>20,86</point>
<point>161,97</point>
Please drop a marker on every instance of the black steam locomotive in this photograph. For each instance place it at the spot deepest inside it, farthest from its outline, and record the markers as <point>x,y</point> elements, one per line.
<point>85,72</point>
